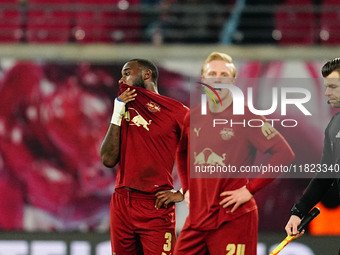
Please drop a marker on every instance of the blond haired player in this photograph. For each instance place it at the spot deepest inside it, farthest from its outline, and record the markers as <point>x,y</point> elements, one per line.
<point>223,216</point>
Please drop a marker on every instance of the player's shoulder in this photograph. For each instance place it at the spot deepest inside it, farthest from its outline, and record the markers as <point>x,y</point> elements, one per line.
<point>176,109</point>
<point>175,104</point>
<point>335,120</point>
<point>336,116</point>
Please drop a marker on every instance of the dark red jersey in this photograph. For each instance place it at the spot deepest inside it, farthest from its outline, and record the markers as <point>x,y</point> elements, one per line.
<point>150,132</point>
<point>229,146</point>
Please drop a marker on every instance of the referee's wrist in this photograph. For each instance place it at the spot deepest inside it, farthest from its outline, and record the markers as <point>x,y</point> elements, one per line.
<point>296,211</point>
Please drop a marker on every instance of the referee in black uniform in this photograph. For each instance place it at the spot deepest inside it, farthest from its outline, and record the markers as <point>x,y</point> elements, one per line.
<point>330,155</point>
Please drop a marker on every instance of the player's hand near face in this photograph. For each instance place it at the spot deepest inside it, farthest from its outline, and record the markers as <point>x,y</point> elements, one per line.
<point>128,95</point>
<point>235,197</point>
<point>165,197</point>
<point>291,227</point>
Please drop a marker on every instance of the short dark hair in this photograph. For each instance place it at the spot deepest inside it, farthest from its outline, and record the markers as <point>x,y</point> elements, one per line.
<point>330,66</point>
<point>147,64</point>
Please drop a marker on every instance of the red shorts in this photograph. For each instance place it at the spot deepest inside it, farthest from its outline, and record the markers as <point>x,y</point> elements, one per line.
<point>137,227</point>
<point>236,237</point>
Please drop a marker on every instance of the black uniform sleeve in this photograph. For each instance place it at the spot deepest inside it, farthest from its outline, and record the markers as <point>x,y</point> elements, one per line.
<point>318,186</point>
<point>313,194</point>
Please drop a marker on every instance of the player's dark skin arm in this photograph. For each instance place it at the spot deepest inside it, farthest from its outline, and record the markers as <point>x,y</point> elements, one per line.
<point>110,148</point>
<point>166,197</point>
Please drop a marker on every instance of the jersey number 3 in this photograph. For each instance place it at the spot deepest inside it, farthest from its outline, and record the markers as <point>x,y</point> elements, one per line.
<point>168,239</point>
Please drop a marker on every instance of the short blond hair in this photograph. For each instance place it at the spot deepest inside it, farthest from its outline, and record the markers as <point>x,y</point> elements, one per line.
<point>218,56</point>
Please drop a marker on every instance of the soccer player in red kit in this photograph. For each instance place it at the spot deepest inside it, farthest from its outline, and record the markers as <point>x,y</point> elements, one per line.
<point>143,138</point>
<point>223,216</point>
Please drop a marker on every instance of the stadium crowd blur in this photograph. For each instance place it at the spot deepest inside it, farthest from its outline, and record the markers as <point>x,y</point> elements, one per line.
<point>282,22</point>
<point>53,116</point>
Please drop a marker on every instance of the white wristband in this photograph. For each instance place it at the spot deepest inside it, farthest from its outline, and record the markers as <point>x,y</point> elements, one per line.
<point>118,112</point>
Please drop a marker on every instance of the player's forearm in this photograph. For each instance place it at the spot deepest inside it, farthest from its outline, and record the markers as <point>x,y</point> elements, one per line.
<point>182,154</point>
<point>182,168</point>
<point>110,148</point>
<point>283,155</point>
<point>313,194</point>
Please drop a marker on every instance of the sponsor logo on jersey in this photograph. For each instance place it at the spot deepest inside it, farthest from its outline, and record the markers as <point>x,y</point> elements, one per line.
<point>137,120</point>
<point>227,133</point>
<point>197,131</point>
<point>211,159</point>
<point>153,107</point>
